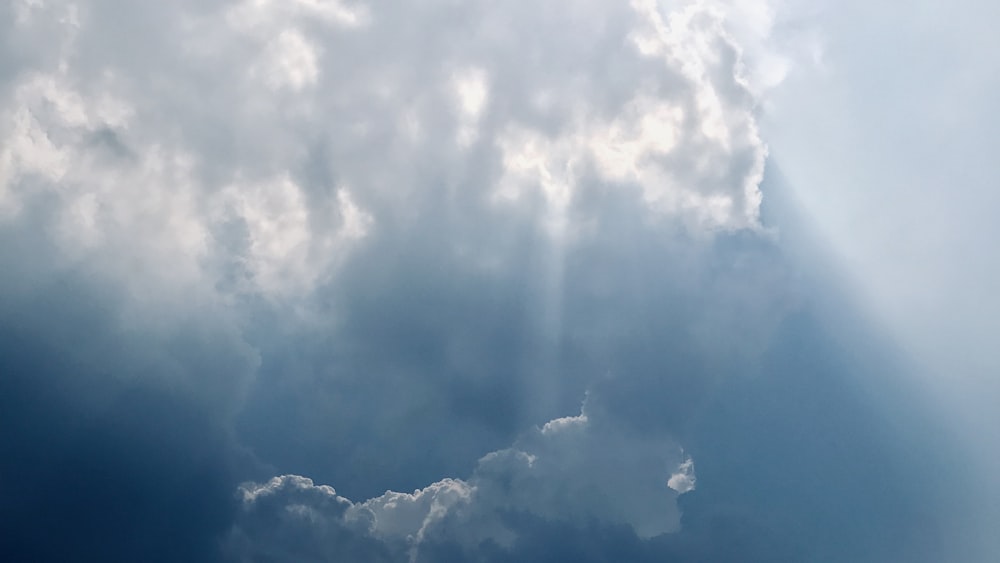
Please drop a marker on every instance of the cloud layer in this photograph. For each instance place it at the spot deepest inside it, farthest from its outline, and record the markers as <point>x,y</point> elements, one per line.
<point>509,257</point>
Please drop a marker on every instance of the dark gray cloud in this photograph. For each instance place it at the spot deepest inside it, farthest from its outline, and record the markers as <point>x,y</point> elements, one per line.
<point>109,452</point>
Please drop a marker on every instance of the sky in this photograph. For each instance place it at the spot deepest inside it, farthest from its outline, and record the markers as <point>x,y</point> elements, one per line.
<point>322,280</point>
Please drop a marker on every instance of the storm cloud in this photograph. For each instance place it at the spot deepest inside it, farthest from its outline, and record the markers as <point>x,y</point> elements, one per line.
<point>266,264</point>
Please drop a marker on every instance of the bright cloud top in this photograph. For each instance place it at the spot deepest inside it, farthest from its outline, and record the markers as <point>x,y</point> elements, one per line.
<point>568,470</point>
<point>209,123</point>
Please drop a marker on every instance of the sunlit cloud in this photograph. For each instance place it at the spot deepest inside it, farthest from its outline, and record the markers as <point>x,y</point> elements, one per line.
<point>335,280</point>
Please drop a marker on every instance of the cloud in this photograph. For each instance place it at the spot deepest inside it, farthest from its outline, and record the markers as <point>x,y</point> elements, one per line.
<point>229,127</point>
<point>115,437</point>
<point>572,470</point>
<point>360,226</point>
<point>394,247</point>
<point>289,518</point>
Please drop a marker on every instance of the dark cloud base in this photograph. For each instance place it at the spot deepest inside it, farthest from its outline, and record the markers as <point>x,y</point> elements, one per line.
<point>813,452</point>
<point>144,477</point>
<point>802,462</point>
<point>101,459</point>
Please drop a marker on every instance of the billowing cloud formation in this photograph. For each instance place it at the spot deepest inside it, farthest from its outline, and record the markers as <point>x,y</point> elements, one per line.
<point>242,153</point>
<point>287,126</point>
<point>373,244</point>
<point>573,469</point>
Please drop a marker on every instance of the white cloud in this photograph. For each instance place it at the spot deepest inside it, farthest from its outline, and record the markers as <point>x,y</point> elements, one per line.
<point>683,480</point>
<point>680,126</point>
<point>286,254</point>
<point>569,470</point>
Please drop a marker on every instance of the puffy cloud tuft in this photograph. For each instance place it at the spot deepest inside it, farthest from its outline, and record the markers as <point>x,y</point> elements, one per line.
<point>571,470</point>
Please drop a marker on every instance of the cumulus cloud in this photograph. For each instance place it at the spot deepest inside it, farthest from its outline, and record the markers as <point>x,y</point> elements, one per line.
<point>573,469</point>
<point>232,117</point>
<point>387,247</point>
<point>342,190</point>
